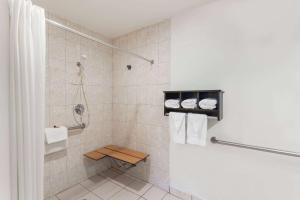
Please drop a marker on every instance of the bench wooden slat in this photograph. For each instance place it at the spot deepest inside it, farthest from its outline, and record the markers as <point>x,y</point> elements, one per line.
<point>104,151</point>
<point>125,157</point>
<point>119,156</point>
<point>129,152</point>
<point>120,153</point>
<point>94,155</point>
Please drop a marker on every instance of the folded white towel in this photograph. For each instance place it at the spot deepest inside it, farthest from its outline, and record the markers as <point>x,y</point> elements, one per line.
<point>54,135</point>
<point>208,104</point>
<point>56,139</point>
<point>172,103</point>
<point>189,103</point>
<point>196,129</point>
<point>177,127</point>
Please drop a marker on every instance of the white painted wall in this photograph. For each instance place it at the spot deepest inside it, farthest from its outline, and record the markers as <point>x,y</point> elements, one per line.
<point>251,50</point>
<point>4,115</point>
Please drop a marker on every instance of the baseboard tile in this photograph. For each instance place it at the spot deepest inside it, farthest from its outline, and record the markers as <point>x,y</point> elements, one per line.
<point>180,194</point>
<point>183,195</point>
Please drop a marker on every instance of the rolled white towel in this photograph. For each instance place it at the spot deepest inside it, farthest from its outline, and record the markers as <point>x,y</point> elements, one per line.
<point>208,101</point>
<point>172,103</point>
<point>189,103</point>
<point>204,107</point>
<point>208,104</point>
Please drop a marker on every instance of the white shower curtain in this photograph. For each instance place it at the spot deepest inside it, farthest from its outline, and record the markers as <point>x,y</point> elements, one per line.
<point>27,74</point>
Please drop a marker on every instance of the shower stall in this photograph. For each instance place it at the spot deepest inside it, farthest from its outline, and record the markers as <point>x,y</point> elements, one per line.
<point>78,96</point>
<point>90,90</point>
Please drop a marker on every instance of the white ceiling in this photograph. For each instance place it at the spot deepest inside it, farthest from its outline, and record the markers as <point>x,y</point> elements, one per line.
<point>113,18</point>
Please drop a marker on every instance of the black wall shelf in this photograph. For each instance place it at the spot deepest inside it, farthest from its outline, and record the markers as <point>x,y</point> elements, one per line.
<point>199,95</point>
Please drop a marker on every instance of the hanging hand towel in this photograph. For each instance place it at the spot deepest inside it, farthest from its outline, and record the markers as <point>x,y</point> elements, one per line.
<point>189,103</point>
<point>177,127</point>
<point>172,103</point>
<point>196,129</point>
<point>56,139</point>
<point>54,135</point>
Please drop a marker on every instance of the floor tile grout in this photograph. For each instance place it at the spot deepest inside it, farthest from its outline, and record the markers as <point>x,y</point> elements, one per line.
<point>57,197</point>
<point>100,186</point>
<point>96,195</point>
<point>88,188</point>
<point>134,192</point>
<point>66,189</point>
<point>147,191</point>
<point>122,186</point>
<point>115,194</point>
<point>164,196</point>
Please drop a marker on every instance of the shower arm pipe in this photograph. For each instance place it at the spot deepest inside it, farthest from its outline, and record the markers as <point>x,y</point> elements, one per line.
<point>151,61</point>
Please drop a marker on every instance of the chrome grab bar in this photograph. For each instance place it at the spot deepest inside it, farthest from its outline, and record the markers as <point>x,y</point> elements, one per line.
<point>81,126</point>
<point>214,140</point>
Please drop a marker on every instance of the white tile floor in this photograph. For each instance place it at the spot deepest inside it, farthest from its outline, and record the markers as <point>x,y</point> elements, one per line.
<point>113,185</point>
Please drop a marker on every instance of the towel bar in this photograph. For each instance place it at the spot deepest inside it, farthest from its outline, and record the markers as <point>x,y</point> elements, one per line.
<point>81,126</point>
<point>214,140</point>
<point>208,117</point>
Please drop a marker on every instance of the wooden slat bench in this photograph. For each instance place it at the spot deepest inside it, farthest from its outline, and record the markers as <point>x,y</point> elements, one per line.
<point>119,153</point>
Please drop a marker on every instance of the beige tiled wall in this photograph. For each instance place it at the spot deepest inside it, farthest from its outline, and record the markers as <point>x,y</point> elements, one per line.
<point>69,167</point>
<point>126,107</point>
<point>138,120</point>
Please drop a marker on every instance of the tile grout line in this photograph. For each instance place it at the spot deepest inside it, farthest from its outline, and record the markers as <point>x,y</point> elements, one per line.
<point>123,187</point>
<point>135,179</point>
<point>164,196</point>
<point>147,191</point>
<point>105,183</point>
<point>136,193</point>
<point>90,177</point>
<point>115,194</point>
<point>99,186</point>
<point>66,189</point>
<point>93,190</point>
<point>96,195</point>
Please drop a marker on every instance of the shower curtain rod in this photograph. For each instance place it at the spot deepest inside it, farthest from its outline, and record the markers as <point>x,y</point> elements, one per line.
<point>97,40</point>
